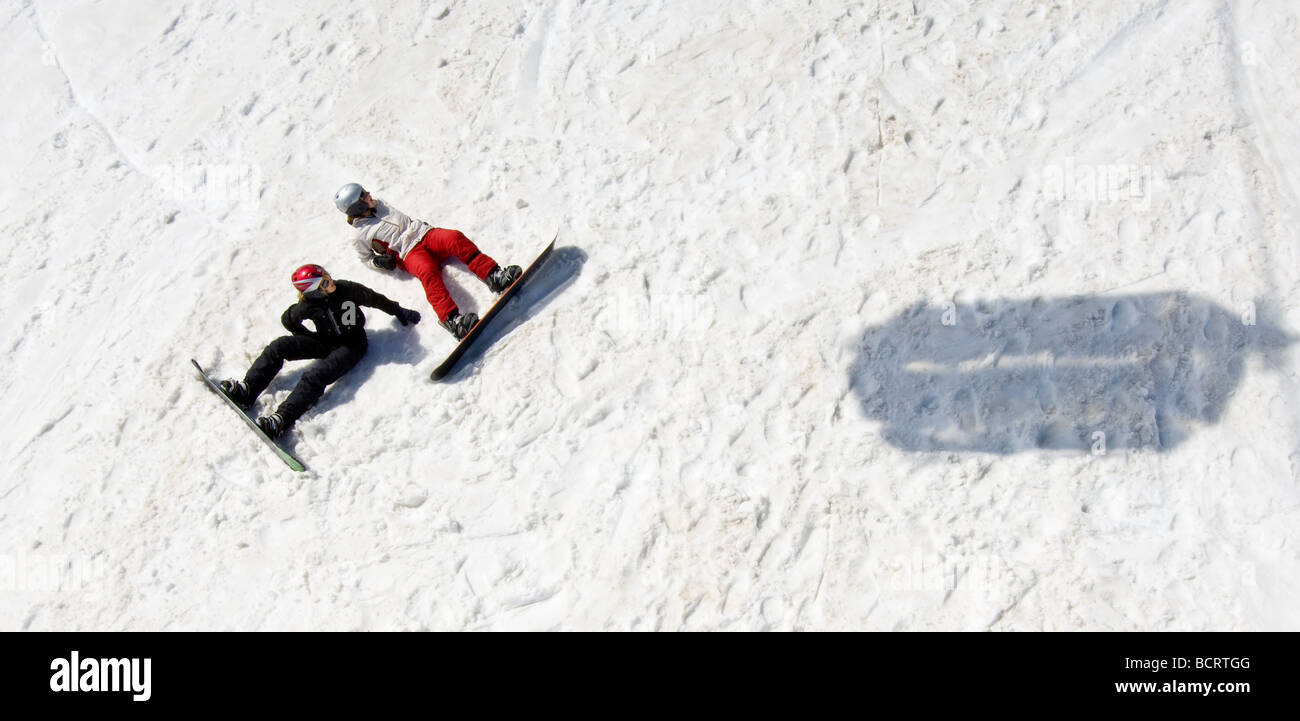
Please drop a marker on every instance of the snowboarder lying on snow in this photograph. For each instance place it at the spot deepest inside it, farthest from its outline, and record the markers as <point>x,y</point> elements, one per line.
<point>338,342</point>
<point>388,238</point>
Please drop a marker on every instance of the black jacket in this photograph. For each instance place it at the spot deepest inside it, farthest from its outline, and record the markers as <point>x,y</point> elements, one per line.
<point>337,317</point>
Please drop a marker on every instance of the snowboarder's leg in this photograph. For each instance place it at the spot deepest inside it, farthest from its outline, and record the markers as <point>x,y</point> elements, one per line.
<point>285,348</point>
<point>236,391</point>
<point>423,264</point>
<point>501,278</point>
<point>312,384</point>
<point>453,244</point>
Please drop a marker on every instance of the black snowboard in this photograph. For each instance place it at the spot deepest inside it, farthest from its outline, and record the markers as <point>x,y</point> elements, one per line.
<point>448,365</point>
<point>284,455</point>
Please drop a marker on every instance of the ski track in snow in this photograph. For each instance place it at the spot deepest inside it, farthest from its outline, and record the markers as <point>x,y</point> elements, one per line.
<point>733,404</point>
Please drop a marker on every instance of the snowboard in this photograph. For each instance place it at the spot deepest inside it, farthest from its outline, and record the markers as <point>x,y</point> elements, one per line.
<point>450,364</point>
<point>284,455</point>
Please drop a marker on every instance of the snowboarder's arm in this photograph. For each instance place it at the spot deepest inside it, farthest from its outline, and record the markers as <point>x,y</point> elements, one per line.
<point>367,297</point>
<point>372,251</point>
<point>292,321</point>
<point>361,244</point>
<point>370,298</point>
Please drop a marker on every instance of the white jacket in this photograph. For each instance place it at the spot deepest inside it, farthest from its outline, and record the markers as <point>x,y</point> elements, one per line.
<point>388,229</point>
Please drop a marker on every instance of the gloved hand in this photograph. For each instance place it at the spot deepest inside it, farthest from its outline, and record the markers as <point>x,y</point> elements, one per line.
<point>406,316</point>
<point>384,260</point>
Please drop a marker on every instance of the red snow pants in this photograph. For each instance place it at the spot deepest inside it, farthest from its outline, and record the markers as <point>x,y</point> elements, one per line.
<point>425,260</point>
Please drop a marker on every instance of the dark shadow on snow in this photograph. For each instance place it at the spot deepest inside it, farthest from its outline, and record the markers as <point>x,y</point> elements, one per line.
<point>1050,373</point>
<point>391,345</point>
<point>552,277</point>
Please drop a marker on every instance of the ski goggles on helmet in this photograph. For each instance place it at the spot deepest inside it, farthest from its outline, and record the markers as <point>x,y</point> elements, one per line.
<point>310,280</point>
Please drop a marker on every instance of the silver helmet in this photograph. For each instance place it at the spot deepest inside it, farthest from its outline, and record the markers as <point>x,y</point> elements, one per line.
<point>347,198</point>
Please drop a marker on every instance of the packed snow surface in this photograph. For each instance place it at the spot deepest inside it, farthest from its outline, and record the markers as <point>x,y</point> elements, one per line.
<point>925,314</point>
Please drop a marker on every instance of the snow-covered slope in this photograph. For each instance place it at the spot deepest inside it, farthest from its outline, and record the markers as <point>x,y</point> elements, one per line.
<point>843,297</point>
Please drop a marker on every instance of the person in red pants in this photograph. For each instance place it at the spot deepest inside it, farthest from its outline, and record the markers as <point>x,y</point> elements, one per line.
<point>388,238</point>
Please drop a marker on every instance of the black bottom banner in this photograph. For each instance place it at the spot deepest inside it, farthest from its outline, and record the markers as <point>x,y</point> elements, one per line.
<point>562,673</point>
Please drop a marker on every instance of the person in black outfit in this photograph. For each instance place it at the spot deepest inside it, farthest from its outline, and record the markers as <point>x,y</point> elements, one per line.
<point>337,343</point>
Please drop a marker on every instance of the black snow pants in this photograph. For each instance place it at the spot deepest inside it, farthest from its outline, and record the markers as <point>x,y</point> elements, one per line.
<point>334,361</point>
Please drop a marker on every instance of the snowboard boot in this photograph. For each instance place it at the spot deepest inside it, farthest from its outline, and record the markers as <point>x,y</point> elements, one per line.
<point>501,278</point>
<point>460,325</point>
<point>272,425</point>
<point>237,392</point>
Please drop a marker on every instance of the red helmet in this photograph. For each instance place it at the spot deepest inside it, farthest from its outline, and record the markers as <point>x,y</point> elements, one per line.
<point>309,277</point>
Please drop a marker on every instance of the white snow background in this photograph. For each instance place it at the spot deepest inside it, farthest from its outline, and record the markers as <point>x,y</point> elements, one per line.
<point>931,314</point>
